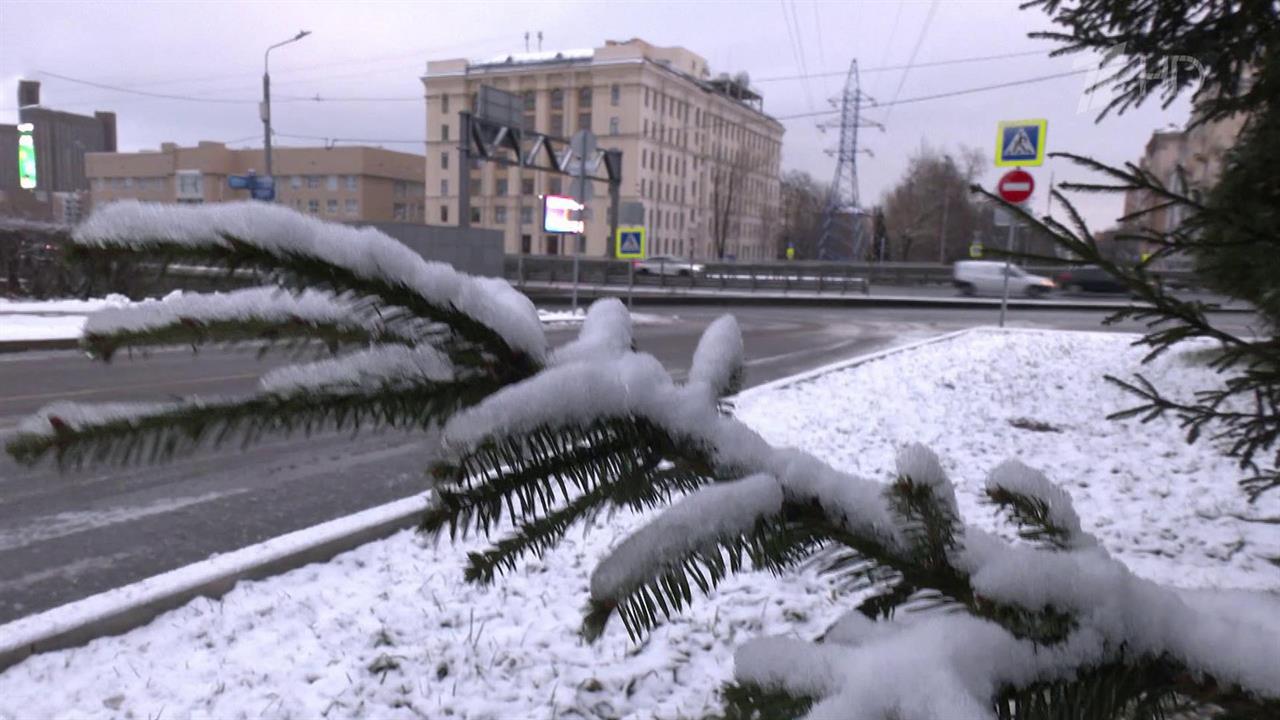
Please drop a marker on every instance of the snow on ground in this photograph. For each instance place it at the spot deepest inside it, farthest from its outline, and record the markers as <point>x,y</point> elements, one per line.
<point>1171,511</point>
<point>390,630</point>
<point>63,319</point>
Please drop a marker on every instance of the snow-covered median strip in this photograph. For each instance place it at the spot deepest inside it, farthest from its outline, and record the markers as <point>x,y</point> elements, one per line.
<point>391,629</point>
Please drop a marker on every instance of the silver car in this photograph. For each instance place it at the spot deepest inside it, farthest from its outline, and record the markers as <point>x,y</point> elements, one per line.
<point>667,265</point>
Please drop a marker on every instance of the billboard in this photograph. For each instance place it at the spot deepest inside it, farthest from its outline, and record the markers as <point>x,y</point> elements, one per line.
<point>26,157</point>
<point>561,214</point>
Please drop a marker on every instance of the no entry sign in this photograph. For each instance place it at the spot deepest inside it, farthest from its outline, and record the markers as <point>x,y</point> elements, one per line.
<point>1016,186</point>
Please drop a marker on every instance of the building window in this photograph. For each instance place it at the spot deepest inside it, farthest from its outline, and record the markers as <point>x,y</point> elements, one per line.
<point>444,188</point>
<point>313,207</point>
<point>475,214</point>
<point>554,185</point>
<point>444,160</point>
<point>615,94</point>
<point>613,125</point>
<point>526,186</point>
<point>399,211</point>
<point>444,132</point>
<point>401,188</point>
<point>584,97</point>
<point>475,185</point>
<point>526,244</point>
<point>313,182</point>
<point>295,182</point>
<point>530,101</point>
<point>444,103</point>
<point>557,125</point>
<point>333,182</point>
<point>444,213</point>
<point>190,184</point>
<point>352,181</point>
<point>500,215</point>
<point>331,207</point>
<point>353,207</point>
<point>128,182</point>
<point>500,186</point>
<point>553,244</point>
<point>526,216</point>
<point>584,121</point>
<point>557,99</point>
<point>646,97</point>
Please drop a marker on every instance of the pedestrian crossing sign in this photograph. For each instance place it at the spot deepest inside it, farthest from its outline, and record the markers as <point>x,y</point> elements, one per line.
<point>630,243</point>
<point>1020,143</point>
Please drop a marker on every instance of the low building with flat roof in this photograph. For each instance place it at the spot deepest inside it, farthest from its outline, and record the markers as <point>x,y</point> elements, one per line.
<point>345,183</point>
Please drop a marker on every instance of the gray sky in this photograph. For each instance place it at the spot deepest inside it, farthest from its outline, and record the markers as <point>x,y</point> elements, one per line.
<point>378,50</point>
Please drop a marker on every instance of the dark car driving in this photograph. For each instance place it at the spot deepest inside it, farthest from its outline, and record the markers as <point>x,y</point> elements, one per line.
<point>1088,278</point>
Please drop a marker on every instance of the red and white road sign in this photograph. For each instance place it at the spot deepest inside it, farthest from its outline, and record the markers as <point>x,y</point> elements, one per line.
<point>1015,186</point>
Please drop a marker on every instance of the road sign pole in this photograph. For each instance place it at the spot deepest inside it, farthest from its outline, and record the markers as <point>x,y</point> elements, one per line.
<point>1004,297</point>
<point>577,238</point>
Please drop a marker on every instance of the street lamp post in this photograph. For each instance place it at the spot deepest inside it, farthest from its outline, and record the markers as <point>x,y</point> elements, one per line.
<point>265,110</point>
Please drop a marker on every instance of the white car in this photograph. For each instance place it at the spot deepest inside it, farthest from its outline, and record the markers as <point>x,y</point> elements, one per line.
<point>986,277</point>
<point>667,265</point>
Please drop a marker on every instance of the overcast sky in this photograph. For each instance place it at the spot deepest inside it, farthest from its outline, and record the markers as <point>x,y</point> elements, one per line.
<point>213,50</point>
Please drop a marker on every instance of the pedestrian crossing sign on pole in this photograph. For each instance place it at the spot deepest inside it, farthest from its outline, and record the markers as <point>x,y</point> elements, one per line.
<point>1020,143</point>
<point>630,243</point>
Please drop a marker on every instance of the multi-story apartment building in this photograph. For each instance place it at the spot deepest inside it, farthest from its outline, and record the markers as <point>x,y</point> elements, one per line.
<point>1189,160</point>
<point>340,183</point>
<point>701,159</point>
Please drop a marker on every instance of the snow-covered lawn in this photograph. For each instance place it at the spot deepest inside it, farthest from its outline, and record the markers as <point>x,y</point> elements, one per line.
<point>391,630</point>
<point>63,319</point>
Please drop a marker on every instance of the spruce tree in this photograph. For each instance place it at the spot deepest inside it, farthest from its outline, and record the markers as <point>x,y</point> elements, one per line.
<point>1231,230</point>
<point>535,440</point>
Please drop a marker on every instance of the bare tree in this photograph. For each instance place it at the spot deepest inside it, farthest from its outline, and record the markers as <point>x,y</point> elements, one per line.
<point>930,216</point>
<point>729,175</point>
<point>803,198</point>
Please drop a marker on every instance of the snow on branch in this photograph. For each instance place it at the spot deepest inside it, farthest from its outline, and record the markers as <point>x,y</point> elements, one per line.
<point>263,313</point>
<point>694,523</point>
<point>1042,509</point>
<point>391,365</point>
<point>605,334</point>
<point>718,359</point>
<point>287,236</point>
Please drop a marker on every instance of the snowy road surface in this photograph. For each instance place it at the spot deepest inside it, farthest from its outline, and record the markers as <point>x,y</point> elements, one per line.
<point>63,537</point>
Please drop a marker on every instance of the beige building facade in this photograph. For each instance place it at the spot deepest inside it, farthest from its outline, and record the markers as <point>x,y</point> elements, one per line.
<point>340,183</point>
<point>701,161</point>
<point>1194,156</point>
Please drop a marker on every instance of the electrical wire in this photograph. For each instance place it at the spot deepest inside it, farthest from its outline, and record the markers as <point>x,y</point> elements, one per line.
<point>795,52</point>
<point>924,30</point>
<point>332,140</point>
<point>917,66</point>
<point>953,93</point>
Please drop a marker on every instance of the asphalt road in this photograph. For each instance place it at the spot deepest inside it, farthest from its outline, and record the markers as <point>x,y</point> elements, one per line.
<point>64,536</point>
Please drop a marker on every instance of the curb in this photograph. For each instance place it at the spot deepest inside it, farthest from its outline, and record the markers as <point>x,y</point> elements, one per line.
<point>117,611</point>
<point>16,346</point>
<point>855,361</point>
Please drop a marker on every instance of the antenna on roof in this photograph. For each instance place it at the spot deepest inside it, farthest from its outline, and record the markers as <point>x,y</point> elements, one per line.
<point>539,41</point>
<point>526,41</point>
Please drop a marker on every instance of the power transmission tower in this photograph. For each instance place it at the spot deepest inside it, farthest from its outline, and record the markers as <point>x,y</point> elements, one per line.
<point>844,235</point>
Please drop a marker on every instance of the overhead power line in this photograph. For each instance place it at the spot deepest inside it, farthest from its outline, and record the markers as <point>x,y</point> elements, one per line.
<point>924,30</point>
<point>331,140</point>
<point>953,93</point>
<point>889,68</point>
<point>145,93</point>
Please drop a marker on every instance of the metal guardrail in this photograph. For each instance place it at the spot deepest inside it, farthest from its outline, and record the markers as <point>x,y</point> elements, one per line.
<point>807,276</point>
